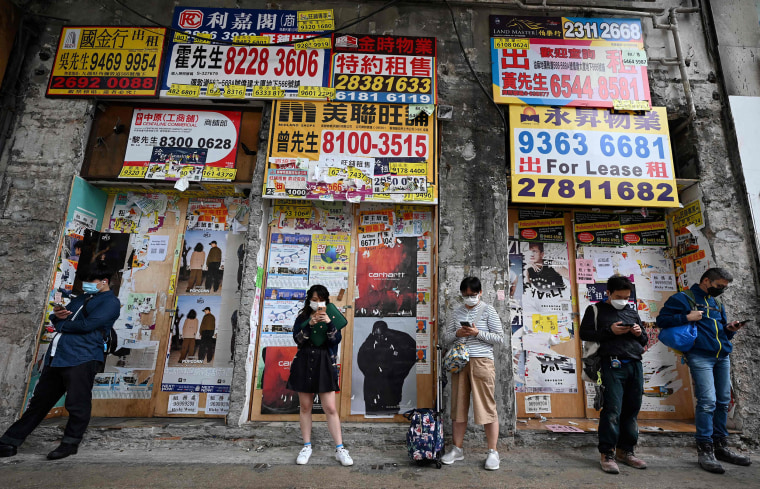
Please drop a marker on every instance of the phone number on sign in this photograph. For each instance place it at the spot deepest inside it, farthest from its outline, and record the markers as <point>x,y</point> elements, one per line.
<point>565,189</point>
<point>374,143</point>
<point>612,87</point>
<point>266,61</point>
<point>102,82</point>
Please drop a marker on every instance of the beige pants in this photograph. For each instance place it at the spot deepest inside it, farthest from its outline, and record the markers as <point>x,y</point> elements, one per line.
<point>188,346</point>
<point>478,378</point>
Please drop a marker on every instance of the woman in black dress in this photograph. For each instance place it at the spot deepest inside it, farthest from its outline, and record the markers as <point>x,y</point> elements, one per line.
<point>313,371</point>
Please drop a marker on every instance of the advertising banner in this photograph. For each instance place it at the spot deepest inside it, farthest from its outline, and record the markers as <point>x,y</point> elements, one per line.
<point>348,151</point>
<point>649,230</point>
<point>386,280</point>
<point>242,53</point>
<point>113,61</point>
<point>586,156</point>
<point>541,226</point>
<point>169,144</point>
<point>378,68</point>
<point>569,61</point>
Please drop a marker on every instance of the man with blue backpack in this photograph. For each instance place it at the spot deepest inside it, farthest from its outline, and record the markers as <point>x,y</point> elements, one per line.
<point>708,362</point>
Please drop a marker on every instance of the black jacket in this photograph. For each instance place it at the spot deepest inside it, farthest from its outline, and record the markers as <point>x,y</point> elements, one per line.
<point>624,346</point>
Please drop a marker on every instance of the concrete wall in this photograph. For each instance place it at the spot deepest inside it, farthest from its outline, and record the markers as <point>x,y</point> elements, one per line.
<point>46,150</point>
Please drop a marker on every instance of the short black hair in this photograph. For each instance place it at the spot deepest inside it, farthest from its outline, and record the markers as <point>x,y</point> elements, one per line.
<point>619,282</point>
<point>716,274</point>
<point>540,246</point>
<point>472,283</point>
<point>207,309</point>
<point>98,271</point>
<point>213,242</point>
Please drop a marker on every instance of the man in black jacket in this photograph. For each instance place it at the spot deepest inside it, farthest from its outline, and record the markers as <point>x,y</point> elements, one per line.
<point>616,326</point>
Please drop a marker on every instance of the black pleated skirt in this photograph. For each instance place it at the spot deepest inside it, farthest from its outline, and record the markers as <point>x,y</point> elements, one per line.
<point>312,371</point>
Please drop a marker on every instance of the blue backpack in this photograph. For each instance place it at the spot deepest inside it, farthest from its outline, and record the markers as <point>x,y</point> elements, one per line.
<point>424,440</point>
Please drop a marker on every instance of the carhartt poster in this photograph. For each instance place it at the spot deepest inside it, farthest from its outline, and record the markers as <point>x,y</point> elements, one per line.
<point>386,280</point>
<point>384,380</point>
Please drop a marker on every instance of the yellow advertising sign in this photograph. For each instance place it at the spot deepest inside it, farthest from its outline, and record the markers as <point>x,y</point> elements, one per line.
<point>316,20</point>
<point>107,61</point>
<point>256,40</point>
<point>316,43</point>
<point>316,92</point>
<point>374,143</point>
<point>234,91</point>
<point>218,173</point>
<point>545,324</point>
<point>504,43</point>
<point>589,156</point>
<point>178,90</point>
<point>267,92</point>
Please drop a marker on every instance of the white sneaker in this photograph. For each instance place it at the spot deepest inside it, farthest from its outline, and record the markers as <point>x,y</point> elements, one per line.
<point>455,454</point>
<point>342,456</point>
<point>304,456</point>
<point>492,460</point>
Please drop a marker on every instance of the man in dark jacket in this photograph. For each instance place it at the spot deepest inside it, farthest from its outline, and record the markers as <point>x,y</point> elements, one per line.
<point>213,262</point>
<point>385,358</point>
<point>709,363</point>
<point>73,358</point>
<point>616,326</point>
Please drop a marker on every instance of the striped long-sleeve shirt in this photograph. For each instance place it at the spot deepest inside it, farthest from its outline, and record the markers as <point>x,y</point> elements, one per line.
<point>490,327</point>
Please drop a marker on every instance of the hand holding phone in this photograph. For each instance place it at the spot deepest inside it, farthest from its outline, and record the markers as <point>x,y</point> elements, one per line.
<point>57,305</point>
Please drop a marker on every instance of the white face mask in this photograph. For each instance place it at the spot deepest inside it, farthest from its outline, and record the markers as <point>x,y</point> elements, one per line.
<point>619,304</point>
<point>471,301</point>
<point>316,305</point>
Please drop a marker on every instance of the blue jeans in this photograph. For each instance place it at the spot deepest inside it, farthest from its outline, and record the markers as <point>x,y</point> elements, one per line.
<point>623,388</point>
<point>712,388</point>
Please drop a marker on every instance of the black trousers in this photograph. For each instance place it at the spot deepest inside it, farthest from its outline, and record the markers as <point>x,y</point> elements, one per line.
<point>213,275</point>
<point>207,346</point>
<point>76,382</point>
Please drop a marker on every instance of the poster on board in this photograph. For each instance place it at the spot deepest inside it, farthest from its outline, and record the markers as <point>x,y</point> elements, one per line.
<point>386,279</point>
<point>384,380</point>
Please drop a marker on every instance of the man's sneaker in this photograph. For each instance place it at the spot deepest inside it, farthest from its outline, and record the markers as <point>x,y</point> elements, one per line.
<point>7,450</point>
<point>629,459</point>
<point>304,455</point>
<point>454,454</point>
<point>608,463</point>
<point>725,454</point>
<point>707,458</point>
<point>492,460</point>
<point>342,456</point>
<point>63,451</point>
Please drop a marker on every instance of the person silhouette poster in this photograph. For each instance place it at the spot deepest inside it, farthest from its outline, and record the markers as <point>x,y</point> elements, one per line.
<point>384,381</point>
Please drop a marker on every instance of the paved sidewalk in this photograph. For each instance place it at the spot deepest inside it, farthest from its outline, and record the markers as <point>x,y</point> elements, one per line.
<point>229,467</point>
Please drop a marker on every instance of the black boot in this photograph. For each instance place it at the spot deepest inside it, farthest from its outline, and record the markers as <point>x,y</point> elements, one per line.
<point>725,454</point>
<point>63,451</point>
<point>7,450</point>
<point>707,458</point>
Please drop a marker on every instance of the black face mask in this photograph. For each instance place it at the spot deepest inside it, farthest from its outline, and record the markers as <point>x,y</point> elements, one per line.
<point>714,291</point>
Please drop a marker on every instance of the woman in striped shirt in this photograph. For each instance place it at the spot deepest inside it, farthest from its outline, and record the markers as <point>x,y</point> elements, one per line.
<point>477,325</point>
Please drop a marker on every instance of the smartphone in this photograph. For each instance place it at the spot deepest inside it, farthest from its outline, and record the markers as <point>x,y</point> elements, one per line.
<point>745,321</point>
<point>322,307</point>
<point>628,325</point>
<point>57,304</point>
<point>464,324</point>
